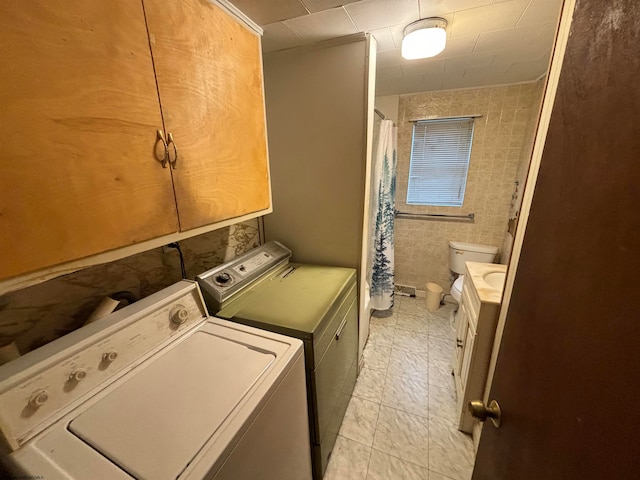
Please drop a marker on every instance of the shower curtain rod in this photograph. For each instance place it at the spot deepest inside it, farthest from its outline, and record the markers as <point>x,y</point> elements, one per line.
<point>434,216</point>
<point>381,115</point>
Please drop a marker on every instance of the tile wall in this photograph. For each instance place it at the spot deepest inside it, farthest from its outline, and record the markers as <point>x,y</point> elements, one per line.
<point>36,315</point>
<point>501,148</point>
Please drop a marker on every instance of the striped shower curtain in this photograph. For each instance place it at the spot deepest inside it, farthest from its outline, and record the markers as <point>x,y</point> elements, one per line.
<point>382,214</point>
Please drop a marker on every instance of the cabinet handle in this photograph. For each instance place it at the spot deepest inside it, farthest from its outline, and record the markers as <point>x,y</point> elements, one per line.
<point>175,151</point>
<point>340,329</point>
<point>160,137</point>
<point>459,343</point>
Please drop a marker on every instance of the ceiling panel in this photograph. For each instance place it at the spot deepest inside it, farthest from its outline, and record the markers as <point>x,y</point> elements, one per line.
<point>374,14</point>
<point>436,8</point>
<point>269,11</point>
<point>384,37</point>
<point>277,36</point>
<point>488,18</point>
<point>541,11</point>
<point>323,25</point>
<point>488,41</point>
<point>319,5</point>
<point>519,38</point>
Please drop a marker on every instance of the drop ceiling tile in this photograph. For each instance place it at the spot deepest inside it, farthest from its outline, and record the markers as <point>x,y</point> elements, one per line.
<point>463,63</point>
<point>384,38</point>
<point>437,8</point>
<point>546,36</point>
<point>423,67</point>
<point>457,46</point>
<point>265,12</point>
<point>374,14</point>
<point>319,5</point>
<point>476,77</point>
<point>526,71</point>
<point>277,36</point>
<point>390,73</point>
<point>498,16</point>
<point>410,85</point>
<point>384,88</point>
<point>322,25</point>
<point>508,58</point>
<point>541,11</point>
<point>389,58</point>
<point>513,39</point>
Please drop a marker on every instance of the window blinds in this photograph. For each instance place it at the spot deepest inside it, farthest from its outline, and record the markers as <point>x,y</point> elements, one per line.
<point>439,161</point>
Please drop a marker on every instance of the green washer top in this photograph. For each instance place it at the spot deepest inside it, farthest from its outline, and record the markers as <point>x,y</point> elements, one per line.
<point>294,304</point>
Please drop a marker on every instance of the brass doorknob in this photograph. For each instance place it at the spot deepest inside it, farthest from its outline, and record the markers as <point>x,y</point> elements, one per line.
<point>480,411</point>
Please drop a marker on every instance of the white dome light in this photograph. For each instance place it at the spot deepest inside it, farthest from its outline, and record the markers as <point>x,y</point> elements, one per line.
<point>424,38</point>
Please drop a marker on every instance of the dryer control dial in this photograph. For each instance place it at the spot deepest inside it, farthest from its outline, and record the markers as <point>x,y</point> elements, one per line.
<point>38,398</point>
<point>223,279</point>
<point>179,314</point>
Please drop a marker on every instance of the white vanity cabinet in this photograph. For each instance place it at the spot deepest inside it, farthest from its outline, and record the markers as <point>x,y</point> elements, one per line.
<point>475,330</point>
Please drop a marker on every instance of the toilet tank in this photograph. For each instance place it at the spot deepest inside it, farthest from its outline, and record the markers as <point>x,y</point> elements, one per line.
<point>460,252</point>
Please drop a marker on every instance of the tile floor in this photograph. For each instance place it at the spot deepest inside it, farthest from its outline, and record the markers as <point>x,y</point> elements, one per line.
<point>400,423</point>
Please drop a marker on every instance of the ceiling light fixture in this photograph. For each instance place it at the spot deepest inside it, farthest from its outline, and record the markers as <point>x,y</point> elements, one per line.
<point>424,38</point>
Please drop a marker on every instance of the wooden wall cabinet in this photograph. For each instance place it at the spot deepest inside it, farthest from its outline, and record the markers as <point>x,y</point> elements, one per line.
<point>84,88</point>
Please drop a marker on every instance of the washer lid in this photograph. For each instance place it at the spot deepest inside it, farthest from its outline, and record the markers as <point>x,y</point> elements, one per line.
<point>157,421</point>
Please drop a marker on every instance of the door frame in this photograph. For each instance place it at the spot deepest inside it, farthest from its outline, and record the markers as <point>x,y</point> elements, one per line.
<point>562,37</point>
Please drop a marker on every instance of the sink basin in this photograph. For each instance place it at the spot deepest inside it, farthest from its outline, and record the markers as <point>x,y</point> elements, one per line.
<point>495,279</point>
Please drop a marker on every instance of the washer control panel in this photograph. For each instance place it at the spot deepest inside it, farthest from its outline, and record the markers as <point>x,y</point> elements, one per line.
<point>46,389</point>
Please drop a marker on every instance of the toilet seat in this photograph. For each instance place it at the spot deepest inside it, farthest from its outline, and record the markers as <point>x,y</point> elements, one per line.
<point>456,288</point>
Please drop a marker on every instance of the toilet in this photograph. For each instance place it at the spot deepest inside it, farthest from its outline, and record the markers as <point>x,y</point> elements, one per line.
<point>459,253</point>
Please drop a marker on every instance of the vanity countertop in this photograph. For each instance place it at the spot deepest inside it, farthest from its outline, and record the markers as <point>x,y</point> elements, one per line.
<point>478,273</point>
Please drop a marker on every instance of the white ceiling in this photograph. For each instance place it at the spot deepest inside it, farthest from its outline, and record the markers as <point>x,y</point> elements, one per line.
<point>489,42</point>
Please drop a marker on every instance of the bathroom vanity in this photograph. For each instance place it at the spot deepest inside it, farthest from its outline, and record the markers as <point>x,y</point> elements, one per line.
<point>476,322</point>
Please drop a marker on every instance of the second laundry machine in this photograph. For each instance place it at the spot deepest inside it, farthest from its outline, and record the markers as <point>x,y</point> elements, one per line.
<point>317,304</point>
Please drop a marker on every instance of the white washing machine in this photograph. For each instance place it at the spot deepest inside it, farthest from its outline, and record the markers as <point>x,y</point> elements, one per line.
<point>158,391</point>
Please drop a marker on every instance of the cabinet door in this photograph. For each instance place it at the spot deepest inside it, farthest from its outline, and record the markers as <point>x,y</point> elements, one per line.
<point>209,73</point>
<point>78,120</point>
<point>467,355</point>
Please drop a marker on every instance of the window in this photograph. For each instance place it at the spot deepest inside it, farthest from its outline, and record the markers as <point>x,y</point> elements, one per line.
<point>439,161</point>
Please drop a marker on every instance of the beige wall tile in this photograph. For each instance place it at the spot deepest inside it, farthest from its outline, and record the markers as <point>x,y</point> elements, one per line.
<point>502,142</point>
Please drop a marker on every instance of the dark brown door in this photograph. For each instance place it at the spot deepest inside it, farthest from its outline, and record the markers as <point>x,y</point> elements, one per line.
<point>568,371</point>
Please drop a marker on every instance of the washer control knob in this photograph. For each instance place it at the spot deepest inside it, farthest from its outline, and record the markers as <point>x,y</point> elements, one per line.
<point>179,314</point>
<point>39,398</point>
<point>109,356</point>
<point>77,375</point>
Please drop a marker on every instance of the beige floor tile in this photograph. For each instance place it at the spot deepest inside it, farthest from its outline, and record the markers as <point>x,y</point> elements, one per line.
<point>376,356</point>
<point>359,423</point>
<point>408,364</point>
<point>442,404</point>
<point>349,460</point>
<point>409,394</point>
<point>386,467</point>
<point>403,435</point>
<point>413,323</point>
<point>411,341</point>
<point>450,451</point>
<point>370,384</point>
